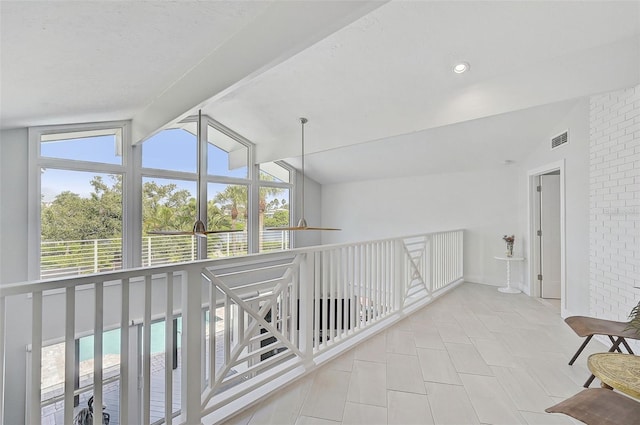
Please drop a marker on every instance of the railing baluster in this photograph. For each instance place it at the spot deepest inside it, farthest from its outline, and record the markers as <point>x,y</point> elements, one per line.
<point>285,316</point>
<point>387,276</point>
<point>346,303</point>
<point>191,345</point>
<point>295,306</point>
<point>375,279</point>
<point>35,413</point>
<point>146,352</point>
<point>124,352</point>
<point>333,295</point>
<point>398,263</point>
<point>339,299</point>
<point>227,328</point>
<point>69,353</point>
<point>213,300</point>
<point>168,352</point>
<point>326,298</point>
<point>307,284</point>
<point>3,323</point>
<point>98,350</point>
<point>366,259</point>
<point>316,299</point>
<point>351,288</point>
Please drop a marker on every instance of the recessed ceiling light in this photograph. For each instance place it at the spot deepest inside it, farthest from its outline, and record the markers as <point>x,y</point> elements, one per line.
<point>461,67</point>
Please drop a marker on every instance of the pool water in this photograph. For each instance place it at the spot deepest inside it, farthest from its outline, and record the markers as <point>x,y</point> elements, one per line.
<point>111,341</point>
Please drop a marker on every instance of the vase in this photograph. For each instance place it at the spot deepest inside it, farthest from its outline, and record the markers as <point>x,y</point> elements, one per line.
<point>509,251</point>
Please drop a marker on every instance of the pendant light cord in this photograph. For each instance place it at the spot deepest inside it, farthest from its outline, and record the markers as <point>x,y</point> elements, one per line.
<point>199,163</point>
<point>303,121</point>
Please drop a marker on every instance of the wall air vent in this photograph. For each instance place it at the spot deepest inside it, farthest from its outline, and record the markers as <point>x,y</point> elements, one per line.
<point>560,139</point>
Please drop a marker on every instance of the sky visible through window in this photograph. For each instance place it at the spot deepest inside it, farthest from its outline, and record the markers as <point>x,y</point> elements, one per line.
<point>173,149</point>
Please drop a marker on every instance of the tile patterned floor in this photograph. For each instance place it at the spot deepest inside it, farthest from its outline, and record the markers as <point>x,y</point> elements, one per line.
<point>474,356</point>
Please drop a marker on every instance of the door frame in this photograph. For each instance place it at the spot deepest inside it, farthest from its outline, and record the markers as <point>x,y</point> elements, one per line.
<point>535,289</point>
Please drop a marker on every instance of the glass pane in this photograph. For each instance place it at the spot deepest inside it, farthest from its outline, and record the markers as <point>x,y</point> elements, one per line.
<point>274,214</point>
<point>103,146</point>
<point>272,172</point>
<point>173,149</point>
<point>169,205</point>
<point>81,222</point>
<point>226,156</point>
<point>227,209</point>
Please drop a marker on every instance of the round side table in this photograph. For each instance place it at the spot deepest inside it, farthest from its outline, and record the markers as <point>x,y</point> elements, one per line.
<point>508,289</point>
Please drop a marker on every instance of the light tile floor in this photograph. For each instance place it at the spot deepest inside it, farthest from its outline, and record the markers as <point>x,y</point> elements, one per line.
<point>474,356</point>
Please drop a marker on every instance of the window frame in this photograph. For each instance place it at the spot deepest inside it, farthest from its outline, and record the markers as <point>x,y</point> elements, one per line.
<point>37,162</point>
<point>132,175</point>
<point>290,186</point>
<point>202,196</point>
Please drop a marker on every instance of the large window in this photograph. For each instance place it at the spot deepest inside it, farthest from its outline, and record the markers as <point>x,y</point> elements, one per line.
<point>96,197</point>
<point>274,205</point>
<point>170,197</point>
<point>79,180</point>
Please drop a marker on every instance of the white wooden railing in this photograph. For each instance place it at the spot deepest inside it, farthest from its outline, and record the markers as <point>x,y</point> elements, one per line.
<point>248,324</point>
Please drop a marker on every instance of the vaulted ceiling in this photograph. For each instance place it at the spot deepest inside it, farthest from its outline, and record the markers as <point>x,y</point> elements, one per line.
<point>374,78</point>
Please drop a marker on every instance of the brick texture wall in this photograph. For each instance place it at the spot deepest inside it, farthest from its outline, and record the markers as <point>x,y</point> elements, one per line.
<point>614,203</point>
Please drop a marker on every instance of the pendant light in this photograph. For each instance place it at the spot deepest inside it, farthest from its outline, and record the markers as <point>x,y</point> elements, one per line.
<point>199,229</point>
<point>302,223</point>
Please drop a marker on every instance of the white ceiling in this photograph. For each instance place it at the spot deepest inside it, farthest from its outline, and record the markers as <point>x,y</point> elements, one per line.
<point>374,78</point>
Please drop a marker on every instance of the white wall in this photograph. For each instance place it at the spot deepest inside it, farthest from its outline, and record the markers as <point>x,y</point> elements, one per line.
<point>576,157</point>
<point>13,246</point>
<point>615,203</point>
<point>13,192</point>
<point>485,203</point>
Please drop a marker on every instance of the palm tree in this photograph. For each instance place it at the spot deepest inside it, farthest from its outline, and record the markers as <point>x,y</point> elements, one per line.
<point>234,200</point>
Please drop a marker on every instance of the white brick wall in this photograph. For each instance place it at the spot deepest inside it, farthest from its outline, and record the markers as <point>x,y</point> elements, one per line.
<point>614,203</point>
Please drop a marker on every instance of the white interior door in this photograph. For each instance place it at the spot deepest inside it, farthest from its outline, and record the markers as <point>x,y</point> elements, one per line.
<point>550,251</point>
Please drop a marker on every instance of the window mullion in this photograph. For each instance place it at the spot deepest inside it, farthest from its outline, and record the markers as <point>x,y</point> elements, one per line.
<point>132,209</point>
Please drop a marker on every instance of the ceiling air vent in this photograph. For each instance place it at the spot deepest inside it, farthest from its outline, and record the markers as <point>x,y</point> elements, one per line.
<point>560,139</point>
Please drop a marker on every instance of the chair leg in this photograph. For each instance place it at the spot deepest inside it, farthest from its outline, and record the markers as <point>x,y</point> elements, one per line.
<point>584,344</point>
<point>613,341</point>
<point>589,381</point>
<point>616,344</point>
<point>624,341</point>
<point>613,348</point>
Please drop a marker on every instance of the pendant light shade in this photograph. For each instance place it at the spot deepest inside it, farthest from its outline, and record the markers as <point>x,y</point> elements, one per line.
<point>302,223</point>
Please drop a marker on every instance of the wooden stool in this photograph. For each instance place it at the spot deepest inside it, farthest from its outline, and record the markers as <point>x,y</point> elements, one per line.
<point>599,406</point>
<point>589,326</point>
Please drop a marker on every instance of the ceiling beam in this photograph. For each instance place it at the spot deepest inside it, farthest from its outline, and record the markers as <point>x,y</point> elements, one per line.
<point>283,30</point>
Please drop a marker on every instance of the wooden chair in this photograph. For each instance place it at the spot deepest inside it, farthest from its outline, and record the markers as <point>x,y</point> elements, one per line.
<point>600,406</point>
<point>589,326</point>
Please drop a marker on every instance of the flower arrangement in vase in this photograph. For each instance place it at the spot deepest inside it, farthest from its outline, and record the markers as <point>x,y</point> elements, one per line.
<point>509,240</point>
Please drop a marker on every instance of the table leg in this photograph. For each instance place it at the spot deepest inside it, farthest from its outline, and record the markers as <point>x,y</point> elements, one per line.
<point>508,289</point>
